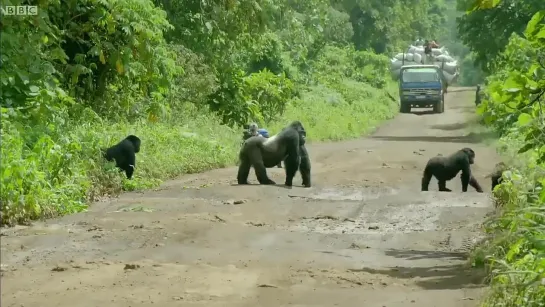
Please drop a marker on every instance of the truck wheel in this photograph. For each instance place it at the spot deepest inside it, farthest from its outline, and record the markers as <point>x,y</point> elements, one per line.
<point>404,108</point>
<point>439,107</point>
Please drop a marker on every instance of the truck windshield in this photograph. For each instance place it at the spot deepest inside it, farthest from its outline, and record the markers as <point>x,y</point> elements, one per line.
<point>420,75</point>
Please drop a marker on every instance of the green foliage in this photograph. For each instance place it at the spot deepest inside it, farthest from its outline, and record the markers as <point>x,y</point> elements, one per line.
<point>487,31</point>
<point>336,64</point>
<point>387,26</point>
<point>514,107</point>
<point>470,75</point>
<point>183,75</point>
<point>62,170</point>
<point>270,92</point>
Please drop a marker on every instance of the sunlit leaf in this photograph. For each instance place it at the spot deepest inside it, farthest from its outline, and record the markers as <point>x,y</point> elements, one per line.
<point>101,57</point>
<point>119,66</point>
<point>533,23</point>
<point>484,4</point>
<point>33,88</point>
<point>524,119</point>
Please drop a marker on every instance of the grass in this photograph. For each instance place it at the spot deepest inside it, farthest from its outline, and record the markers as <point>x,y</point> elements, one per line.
<point>57,169</point>
<point>514,254</point>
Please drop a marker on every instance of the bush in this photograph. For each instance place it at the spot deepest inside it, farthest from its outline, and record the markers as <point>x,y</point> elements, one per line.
<point>336,115</point>
<point>515,255</point>
<point>63,170</point>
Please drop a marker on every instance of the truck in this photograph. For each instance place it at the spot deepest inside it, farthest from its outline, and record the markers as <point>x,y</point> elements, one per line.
<point>421,86</point>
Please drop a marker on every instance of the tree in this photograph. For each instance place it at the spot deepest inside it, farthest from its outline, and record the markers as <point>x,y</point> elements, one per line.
<point>487,31</point>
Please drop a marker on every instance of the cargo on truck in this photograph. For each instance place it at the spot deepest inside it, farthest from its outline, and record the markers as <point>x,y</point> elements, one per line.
<point>416,55</point>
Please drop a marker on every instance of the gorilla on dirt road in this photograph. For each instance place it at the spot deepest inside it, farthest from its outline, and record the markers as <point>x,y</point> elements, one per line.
<point>261,153</point>
<point>446,168</point>
<point>124,154</point>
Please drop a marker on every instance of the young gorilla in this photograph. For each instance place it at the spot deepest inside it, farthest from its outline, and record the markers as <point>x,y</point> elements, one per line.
<point>262,153</point>
<point>446,168</point>
<point>124,154</point>
<point>496,175</point>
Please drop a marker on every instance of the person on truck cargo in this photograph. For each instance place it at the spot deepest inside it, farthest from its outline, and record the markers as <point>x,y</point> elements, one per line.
<point>427,47</point>
<point>434,44</point>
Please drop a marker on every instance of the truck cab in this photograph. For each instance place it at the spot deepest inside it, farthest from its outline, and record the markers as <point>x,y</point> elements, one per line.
<point>421,86</point>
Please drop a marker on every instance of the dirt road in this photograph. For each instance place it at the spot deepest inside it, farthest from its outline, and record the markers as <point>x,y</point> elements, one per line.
<point>363,235</point>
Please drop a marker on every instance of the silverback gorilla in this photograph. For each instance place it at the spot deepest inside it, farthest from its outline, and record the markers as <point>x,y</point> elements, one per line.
<point>124,154</point>
<point>446,168</point>
<point>262,153</point>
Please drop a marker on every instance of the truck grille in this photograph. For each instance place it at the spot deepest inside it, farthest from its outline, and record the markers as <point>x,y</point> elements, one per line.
<point>421,91</point>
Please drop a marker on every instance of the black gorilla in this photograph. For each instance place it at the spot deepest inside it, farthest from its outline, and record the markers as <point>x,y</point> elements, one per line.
<point>446,168</point>
<point>124,154</point>
<point>496,175</point>
<point>478,95</point>
<point>262,153</point>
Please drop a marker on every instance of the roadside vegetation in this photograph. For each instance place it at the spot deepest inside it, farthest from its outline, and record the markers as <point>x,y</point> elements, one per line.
<point>183,76</point>
<point>507,38</point>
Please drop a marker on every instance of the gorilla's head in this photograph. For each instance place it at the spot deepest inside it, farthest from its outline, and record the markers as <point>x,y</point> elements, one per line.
<point>470,154</point>
<point>135,142</point>
<point>298,126</point>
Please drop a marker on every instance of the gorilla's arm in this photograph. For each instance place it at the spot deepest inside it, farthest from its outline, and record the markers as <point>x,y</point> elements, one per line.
<point>130,164</point>
<point>304,166</point>
<point>466,173</point>
<point>467,177</point>
<point>292,161</point>
<point>475,184</point>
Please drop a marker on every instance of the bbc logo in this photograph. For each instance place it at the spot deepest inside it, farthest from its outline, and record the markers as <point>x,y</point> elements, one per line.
<point>19,10</point>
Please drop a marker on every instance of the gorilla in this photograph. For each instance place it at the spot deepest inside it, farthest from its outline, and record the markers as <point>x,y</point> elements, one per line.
<point>496,175</point>
<point>446,168</point>
<point>478,95</point>
<point>262,153</point>
<point>124,154</point>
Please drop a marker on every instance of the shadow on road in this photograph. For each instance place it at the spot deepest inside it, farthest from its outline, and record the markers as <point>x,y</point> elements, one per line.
<point>454,276</point>
<point>419,255</point>
<point>278,185</point>
<point>470,89</point>
<point>471,138</point>
<point>468,109</point>
<point>426,112</point>
<point>435,277</point>
<point>451,127</point>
